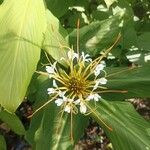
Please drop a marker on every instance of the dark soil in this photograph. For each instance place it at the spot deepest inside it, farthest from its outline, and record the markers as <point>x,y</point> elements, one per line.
<point>94,137</point>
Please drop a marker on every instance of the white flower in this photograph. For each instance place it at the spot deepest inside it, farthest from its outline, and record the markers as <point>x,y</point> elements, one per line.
<point>61,93</point>
<point>72,55</point>
<point>59,101</point>
<point>51,69</point>
<point>99,67</point>
<point>55,84</point>
<point>83,108</point>
<point>86,58</point>
<point>51,90</point>
<point>76,102</point>
<point>100,81</point>
<point>94,97</point>
<point>67,109</point>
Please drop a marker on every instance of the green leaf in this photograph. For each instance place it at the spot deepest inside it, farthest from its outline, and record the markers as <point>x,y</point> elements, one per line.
<point>53,131</point>
<point>129,36</point>
<point>2,143</point>
<point>136,81</point>
<point>97,36</point>
<point>54,41</point>
<point>144,41</point>
<point>129,130</point>
<point>20,22</point>
<point>12,121</point>
<point>57,7</point>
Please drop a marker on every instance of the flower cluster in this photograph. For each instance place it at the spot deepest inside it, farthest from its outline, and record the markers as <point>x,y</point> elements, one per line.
<point>80,83</point>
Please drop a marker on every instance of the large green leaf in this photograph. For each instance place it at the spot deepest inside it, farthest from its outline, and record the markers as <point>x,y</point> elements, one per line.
<point>19,20</point>
<point>54,42</point>
<point>136,81</point>
<point>129,130</point>
<point>13,122</point>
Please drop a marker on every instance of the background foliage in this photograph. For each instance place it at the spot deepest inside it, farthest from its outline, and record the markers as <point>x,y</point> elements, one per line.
<point>29,28</point>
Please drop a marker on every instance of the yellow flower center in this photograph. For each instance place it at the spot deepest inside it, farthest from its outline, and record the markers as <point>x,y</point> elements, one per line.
<point>77,86</point>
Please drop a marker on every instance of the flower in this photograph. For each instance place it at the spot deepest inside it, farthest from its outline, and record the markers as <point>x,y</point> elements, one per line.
<point>72,55</point>
<point>67,109</point>
<point>83,108</point>
<point>101,81</point>
<point>76,102</point>
<point>94,97</point>
<point>59,101</point>
<point>55,84</point>
<point>51,69</point>
<point>51,91</point>
<point>72,88</point>
<point>99,68</point>
<point>85,58</point>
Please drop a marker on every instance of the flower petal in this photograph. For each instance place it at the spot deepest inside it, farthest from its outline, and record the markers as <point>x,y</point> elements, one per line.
<point>76,102</point>
<point>72,55</point>
<point>83,108</point>
<point>50,69</point>
<point>86,57</point>
<point>97,97</point>
<point>55,84</point>
<point>59,102</point>
<point>51,90</point>
<point>102,80</point>
<point>67,109</point>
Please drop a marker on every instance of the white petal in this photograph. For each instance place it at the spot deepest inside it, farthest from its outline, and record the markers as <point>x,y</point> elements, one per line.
<point>59,101</point>
<point>98,68</point>
<point>97,97</point>
<point>50,69</point>
<point>51,90</point>
<point>102,80</point>
<point>77,102</point>
<point>67,109</point>
<point>72,55</point>
<point>96,72</point>
<point>83,108</point>
<point>90,97</point>
<point>61,93</point>
<point>86,57</point>
<point>65,98</point>
<point>55,84</point>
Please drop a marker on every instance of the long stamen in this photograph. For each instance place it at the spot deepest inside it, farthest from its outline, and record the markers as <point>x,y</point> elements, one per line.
<point>99,117</point>
<point>94,63</point>
<point>45,104</point>
<point>113,91</point>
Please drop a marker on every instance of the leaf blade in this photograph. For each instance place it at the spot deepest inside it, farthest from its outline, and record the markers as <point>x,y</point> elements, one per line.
<point>19,57</point>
